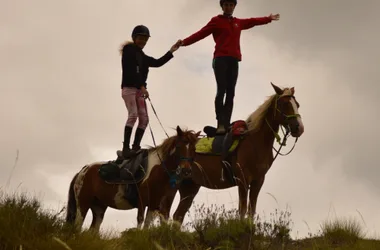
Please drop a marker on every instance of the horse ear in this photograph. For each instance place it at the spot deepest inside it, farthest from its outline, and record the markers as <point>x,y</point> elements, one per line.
<point>179,131</point>
<point>292,89</point>
<point>277,89</point>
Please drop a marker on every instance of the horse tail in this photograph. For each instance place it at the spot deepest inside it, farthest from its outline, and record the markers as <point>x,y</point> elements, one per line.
<point>71,203</point>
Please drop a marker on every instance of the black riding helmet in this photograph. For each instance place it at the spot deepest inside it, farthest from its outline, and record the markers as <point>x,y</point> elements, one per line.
<point>140,30</point>
<point>231,1</point>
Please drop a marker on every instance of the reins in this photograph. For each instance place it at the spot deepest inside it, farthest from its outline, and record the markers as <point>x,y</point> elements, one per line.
<point>283,143</point>
<point>286,134</point>
<point>172,177</point>
<point>155,113</point>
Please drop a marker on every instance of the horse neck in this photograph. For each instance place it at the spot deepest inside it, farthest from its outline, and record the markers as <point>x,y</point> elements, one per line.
<point>265,135</point>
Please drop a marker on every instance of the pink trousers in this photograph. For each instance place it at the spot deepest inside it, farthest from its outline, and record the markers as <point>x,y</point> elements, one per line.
<point>136,107</point>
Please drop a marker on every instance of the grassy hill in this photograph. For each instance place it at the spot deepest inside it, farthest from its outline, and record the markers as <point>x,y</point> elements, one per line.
<point>25,225</point>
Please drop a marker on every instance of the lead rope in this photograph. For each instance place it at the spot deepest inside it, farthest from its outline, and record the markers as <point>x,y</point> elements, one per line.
<point>155,113</point>
<point>172,177</point>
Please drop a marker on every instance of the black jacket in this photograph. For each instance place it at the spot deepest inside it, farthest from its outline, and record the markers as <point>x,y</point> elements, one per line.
<point>135,65</point>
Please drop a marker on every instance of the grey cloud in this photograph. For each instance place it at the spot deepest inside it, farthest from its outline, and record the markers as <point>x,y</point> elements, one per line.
<point>60,80</point>
<point>342,35</point>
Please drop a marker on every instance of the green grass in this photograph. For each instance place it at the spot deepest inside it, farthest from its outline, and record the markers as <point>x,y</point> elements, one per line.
<point>25,225</point>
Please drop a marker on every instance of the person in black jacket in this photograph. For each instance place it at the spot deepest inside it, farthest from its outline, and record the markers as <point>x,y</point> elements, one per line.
<point>135,67</point>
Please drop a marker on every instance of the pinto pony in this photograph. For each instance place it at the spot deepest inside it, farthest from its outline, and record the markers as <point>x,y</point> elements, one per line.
<point>249,161</point>
<point>89,191</point>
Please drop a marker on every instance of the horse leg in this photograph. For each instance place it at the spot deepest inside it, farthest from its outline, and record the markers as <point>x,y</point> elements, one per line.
<point>84,203</point>
<point>254,191</point>
<point>187,192</point>
<point>140,215</point>
<point>82,210</point>
<point>243,196</point>
<point>166,204</point>
<point>149,217</point>
<point>98,212</point>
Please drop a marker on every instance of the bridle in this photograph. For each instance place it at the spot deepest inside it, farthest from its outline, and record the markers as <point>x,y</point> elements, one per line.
<point>174,174</point>
<point>287,128</point>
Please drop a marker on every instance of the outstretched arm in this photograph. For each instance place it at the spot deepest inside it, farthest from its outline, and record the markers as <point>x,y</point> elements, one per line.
<point>155,63</point>
<point>202,33</point>
<point>248,23</point>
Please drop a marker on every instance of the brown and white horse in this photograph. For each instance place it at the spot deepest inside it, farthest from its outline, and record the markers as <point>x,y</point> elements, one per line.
<point>250,161</point>
<point>171,159</point>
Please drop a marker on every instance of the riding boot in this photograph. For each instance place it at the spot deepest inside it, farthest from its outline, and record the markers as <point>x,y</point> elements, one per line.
<point>227,118</point>
<point>138,137</point>
<point>126,142</point>
<point>221,129</point>
<point>227,143</point>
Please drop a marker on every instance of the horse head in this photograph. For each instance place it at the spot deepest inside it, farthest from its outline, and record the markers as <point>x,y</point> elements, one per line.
<point>286,110</point>
<point>185,151</point>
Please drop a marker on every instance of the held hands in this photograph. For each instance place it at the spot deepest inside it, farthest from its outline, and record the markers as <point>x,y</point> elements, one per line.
<point>176,46</point>
<point>275,17</point>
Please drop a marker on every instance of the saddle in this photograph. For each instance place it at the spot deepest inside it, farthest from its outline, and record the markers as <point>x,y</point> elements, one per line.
<point>224,145</point>
<point>125,171</point>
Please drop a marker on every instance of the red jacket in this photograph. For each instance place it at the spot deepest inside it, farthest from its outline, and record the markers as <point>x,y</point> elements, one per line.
<point>226,32</point>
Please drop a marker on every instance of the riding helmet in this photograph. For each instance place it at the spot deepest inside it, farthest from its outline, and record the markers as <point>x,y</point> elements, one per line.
<point>222,1</point>
<point>140,30</point>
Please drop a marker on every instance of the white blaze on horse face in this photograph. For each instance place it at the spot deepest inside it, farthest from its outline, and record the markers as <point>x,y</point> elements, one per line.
<point>299,120</point>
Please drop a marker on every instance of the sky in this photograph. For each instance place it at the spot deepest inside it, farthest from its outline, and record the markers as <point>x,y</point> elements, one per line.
<point>61,105</point>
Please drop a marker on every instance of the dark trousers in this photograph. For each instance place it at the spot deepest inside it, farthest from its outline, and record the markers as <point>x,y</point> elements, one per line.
<point>226,70</point>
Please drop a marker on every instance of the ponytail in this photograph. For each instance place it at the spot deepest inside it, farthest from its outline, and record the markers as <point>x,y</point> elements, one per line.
<point>123,45</point>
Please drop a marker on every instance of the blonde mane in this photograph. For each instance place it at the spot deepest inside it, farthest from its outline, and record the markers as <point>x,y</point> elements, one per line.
<point>256,119</point>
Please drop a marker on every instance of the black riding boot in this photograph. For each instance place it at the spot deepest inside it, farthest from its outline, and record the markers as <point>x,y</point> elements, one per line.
<point>126,142</point>
<point>221,129</point>
<point>138,137</point>
<point>227,143</point>
<point>227,117</point>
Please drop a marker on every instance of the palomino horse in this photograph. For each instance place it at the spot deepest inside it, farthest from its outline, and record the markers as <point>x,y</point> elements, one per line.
<point>250,160</point>
<point>158,166</point>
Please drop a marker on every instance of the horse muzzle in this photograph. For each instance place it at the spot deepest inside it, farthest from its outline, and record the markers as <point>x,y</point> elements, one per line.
<point>186,172</point>
<point>296,130</point>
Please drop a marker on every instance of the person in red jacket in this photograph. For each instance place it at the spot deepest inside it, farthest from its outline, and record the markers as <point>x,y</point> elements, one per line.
<point>226,31</point>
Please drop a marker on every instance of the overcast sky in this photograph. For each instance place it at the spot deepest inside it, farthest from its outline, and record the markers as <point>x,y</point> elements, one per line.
<point>61,106</point>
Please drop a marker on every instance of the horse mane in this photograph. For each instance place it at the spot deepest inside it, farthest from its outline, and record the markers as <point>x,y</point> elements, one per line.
<point>257,117</point>
<point>167,146</point>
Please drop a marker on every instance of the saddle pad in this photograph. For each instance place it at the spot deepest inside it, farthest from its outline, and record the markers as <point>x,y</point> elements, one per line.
<point>204,145</point>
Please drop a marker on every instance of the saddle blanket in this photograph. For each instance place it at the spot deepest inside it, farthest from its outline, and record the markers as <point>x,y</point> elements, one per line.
<point>205,146</point>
